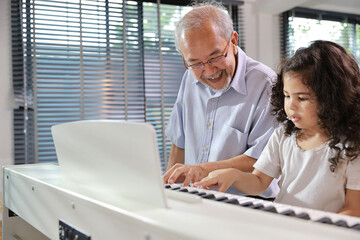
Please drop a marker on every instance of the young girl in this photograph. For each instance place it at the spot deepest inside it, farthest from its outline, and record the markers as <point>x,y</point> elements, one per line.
<point>316,150</point>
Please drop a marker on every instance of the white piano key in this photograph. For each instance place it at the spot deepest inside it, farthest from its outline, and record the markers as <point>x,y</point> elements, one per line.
<point>189,198</point>
<point>282,209</point>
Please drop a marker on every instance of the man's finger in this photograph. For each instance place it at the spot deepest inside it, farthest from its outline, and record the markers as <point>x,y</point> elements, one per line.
<point>189,178</point>
<point>175,175</point>
<point>167,175</point>
<point>169,172</point>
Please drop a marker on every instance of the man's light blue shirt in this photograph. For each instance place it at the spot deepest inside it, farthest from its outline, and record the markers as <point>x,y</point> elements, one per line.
<point>213,126</point>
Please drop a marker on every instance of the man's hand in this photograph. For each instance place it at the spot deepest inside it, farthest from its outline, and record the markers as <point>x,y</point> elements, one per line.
<point>184,173</point>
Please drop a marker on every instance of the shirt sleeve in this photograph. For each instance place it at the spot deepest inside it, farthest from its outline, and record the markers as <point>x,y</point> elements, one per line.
<point>269,160</point>
<point>175,128</point>
<point>263,125</point>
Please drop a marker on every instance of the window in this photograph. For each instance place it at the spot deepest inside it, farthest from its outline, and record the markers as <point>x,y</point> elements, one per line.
<point>300,26</point>
<point>93,59</point>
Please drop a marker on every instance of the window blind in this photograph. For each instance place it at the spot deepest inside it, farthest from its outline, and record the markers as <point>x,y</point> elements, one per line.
<point>93,59</point>
<point>301,25</point>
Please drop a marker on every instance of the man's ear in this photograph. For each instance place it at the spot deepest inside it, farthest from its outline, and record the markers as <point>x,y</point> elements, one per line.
<point>234,41</point>
<point>234,38</point>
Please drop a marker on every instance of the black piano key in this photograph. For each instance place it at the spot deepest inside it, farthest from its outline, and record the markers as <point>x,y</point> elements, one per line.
<point>269,209</point>
<point>175,188</point>
<point>288,212</point>
<point>257,206</point>
<point>246,204</point>
<point>200,193</point>
<point>324,220</point>
<point>208,196</point>
<point>183,190</point>
<point>232,201</point>
<point>341,223</point>
<point>193,192</point>
<point>167,186</point>
<point>221,198</point>
<point>303,215</point>
<point>356,226</point>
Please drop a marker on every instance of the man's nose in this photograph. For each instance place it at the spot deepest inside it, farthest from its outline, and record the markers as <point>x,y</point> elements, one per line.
<point>209,69</point>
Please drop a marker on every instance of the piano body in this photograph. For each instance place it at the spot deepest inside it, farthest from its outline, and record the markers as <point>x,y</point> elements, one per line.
<point>108,185</point>
<point>38,204</point>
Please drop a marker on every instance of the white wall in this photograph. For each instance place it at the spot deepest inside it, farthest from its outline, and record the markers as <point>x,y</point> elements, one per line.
<point>262,33</point>
<point>6,99</point>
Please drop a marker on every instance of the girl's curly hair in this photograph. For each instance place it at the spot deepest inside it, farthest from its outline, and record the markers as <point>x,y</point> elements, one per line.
<point>334,76</point>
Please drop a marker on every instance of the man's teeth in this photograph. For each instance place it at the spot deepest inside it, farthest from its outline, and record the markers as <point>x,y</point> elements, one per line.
<point>215,76</point>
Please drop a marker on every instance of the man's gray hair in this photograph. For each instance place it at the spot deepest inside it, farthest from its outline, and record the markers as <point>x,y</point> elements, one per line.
<point>212,11</point>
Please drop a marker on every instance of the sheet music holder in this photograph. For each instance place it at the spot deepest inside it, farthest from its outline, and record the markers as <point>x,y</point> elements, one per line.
<point>114,159</point>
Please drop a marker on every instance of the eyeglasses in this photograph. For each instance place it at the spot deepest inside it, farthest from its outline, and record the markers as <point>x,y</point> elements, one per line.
<point>211,61</point>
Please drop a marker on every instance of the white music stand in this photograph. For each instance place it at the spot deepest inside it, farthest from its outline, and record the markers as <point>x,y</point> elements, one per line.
<point>111,159</point>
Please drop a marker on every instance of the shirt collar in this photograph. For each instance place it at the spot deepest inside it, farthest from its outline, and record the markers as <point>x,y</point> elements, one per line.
<point>238,82</point>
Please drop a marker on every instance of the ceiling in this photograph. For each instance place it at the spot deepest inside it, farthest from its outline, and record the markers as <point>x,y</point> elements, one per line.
<point>278,6</point>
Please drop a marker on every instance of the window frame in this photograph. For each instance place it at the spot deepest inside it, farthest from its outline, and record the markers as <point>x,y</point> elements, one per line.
<point>311,14</point>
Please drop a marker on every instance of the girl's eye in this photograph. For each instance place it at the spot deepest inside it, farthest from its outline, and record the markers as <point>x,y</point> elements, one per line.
<point>303,99</point>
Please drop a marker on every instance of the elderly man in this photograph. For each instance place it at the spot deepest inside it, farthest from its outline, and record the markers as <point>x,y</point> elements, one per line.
<point>221,118</point>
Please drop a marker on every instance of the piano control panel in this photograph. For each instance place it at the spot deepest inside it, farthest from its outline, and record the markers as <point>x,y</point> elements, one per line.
<point>67,232</point>
<point>269,206</point>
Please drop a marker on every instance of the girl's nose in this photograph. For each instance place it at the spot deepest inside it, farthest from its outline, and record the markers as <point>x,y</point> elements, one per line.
<point>292,104</point>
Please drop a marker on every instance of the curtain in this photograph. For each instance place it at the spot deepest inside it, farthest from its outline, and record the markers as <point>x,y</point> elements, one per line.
<point>93,59</point>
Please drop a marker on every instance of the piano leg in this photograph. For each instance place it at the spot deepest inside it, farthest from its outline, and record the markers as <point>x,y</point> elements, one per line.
<point>15,228</point>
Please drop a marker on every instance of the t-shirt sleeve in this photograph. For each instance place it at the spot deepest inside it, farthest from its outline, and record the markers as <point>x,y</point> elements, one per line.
<point>353,174</point>
<point>269,160</point>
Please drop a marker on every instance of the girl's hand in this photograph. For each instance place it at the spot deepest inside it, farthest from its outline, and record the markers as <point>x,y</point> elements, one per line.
<point>222,178</point>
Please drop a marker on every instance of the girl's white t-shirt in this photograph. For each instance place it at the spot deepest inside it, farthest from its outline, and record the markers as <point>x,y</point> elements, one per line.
<point>305,176</point>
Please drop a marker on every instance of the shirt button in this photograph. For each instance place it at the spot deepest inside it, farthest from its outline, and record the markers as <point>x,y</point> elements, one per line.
<point>208,123</point>
<point>213,99</point>
<point>205,148</point>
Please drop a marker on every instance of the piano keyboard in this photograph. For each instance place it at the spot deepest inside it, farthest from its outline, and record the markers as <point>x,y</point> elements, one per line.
<point>265,205</point>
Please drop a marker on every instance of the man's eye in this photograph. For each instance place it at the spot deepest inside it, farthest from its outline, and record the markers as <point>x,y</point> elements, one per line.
<point>195,65</point>
<point>214,59</point>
